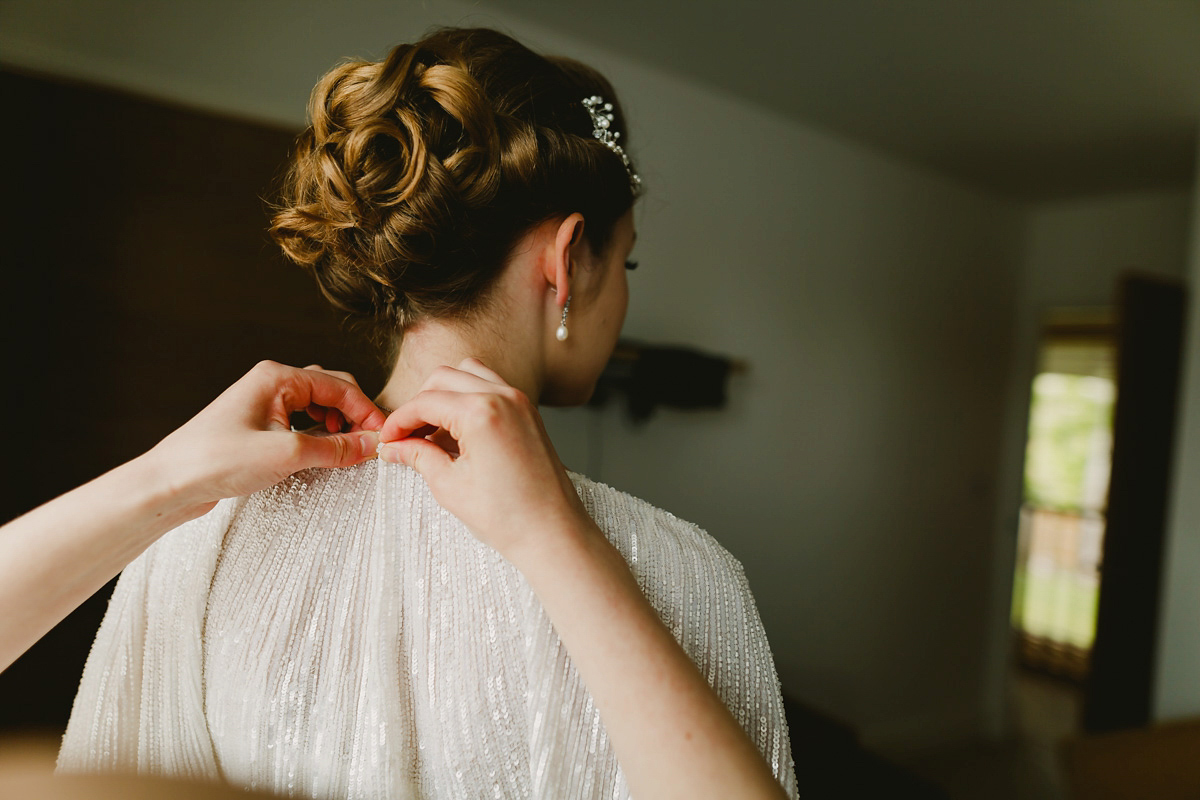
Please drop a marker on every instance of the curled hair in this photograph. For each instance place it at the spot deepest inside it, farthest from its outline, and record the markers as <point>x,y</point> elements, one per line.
<point>419,174</point>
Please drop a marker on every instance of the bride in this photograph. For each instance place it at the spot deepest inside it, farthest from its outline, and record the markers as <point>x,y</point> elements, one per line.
<point>461,617</point>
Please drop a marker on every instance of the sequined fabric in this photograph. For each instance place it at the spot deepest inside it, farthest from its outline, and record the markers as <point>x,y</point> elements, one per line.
<point>340,635</point>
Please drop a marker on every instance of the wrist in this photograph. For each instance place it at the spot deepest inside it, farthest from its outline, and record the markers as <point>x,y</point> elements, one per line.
<point>557,546</point>
<point>159,491</point>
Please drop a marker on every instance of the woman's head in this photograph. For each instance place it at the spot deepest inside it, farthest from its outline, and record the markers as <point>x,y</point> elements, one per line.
<point>419,174</point>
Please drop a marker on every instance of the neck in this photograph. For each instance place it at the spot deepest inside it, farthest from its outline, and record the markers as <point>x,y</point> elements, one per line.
<point>431,344</point>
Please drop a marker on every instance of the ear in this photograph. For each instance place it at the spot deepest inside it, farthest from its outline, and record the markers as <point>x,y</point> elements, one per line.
<point>560,268</point>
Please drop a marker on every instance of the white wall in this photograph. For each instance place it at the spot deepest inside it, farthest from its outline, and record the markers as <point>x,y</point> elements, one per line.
<point>1177,679</point>
<point>854,472</point>
<point>1076,249</point>
<point>1072,253</point>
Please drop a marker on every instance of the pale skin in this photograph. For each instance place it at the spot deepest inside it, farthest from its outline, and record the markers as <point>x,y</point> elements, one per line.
<point>473,432</point>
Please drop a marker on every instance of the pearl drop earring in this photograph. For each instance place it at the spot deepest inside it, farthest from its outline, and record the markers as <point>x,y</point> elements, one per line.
<point>561,333</point>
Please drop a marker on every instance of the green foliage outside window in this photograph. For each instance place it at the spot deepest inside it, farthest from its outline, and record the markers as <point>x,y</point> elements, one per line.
<point>1070,424</point>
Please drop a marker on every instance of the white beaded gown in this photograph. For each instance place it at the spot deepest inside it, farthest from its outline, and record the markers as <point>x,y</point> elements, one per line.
<point>340,635</point>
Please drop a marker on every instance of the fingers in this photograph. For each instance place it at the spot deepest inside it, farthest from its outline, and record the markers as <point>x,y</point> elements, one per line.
<point>330,418</point>
<point>316,412</point>
<point>333,420</point>
<point>337,373</point>
<point>421,454</point>
<point>453,379</point>
<point>477,367</point>
<point>338,450</point>
<point>342,399</point>
<point>333,397</point>
<point>431,407</point>
<point>449,396</point>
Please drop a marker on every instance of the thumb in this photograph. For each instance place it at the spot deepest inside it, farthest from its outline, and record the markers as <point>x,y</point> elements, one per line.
<point>421,454</point>
<point>337,450</point>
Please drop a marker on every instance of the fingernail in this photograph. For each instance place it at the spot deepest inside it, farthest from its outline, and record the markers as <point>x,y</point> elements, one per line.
<point>369,442</point>
<point>389,454</point>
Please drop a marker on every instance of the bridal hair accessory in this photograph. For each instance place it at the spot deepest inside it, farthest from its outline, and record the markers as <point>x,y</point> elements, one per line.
<point>602,120</point>
<point>561,333</point>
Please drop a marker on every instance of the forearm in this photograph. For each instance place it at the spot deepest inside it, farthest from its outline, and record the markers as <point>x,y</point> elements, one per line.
<point>57,555</point>
<point>672,734</point>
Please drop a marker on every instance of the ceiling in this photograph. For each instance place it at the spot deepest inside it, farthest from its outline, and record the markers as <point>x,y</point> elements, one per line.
<point>1033,99</point>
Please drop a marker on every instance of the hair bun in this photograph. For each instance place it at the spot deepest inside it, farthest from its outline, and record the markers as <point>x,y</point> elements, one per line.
<point>419,173</point>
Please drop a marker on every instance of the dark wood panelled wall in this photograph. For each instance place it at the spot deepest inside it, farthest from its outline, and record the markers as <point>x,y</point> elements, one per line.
<point>138,282</point>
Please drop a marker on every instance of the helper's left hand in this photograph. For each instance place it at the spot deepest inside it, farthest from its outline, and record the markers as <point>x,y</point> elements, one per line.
<point>243,440</point>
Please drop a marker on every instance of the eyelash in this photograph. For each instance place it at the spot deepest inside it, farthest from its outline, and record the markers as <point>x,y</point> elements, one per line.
<point>631,265</point>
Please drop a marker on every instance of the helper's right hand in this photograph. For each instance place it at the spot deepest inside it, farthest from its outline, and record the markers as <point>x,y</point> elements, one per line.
<point>491,464</point>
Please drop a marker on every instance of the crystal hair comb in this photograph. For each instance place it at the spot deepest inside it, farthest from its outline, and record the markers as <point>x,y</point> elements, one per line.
<point>602,120</point>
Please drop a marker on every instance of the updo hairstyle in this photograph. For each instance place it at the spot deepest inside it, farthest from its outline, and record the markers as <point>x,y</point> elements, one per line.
<point>420,173</point>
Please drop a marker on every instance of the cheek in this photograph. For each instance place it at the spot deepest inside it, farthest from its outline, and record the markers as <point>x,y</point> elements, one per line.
<point>624,297</point>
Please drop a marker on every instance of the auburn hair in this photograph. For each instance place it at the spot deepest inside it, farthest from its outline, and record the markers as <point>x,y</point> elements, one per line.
<point>418,174</point>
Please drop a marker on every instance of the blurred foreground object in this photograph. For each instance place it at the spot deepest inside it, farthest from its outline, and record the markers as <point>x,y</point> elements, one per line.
<point>27,772</point>
<point>1158,761</point>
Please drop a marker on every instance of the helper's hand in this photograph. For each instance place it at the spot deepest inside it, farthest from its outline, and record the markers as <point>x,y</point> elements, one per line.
<point>243,441</point>
<point>55,556</point>
<point>491,464</point>
<point>672,734</point>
